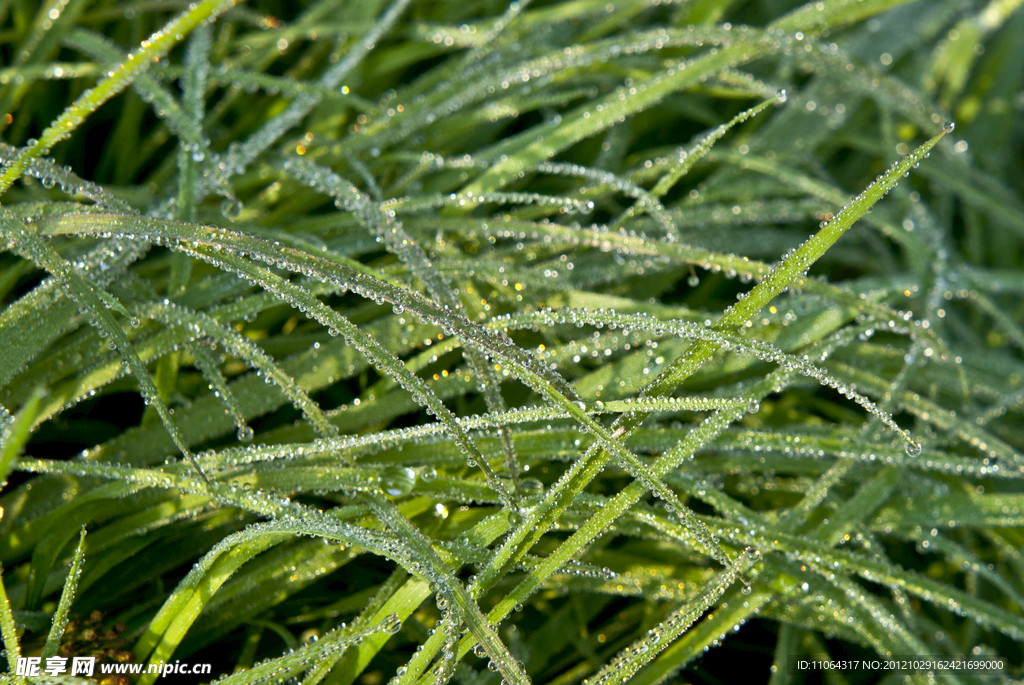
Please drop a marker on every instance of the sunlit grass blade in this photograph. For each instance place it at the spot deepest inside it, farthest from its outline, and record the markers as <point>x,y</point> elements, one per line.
<point>7,625</point>
<point>51,175</point>
<point>121,76</point>
<point>60,617</point>
<point>183,123</point>
<point>792,266</point>
<point>15,431</point>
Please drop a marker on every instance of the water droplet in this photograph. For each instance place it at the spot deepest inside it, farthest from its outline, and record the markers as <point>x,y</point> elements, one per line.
<point>531,486</point>
<point>398,480</point>
<point>391,625</point>
<point>231,208</point>
<point>780,95</point>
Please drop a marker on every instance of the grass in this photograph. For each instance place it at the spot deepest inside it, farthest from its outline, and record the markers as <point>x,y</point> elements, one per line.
<point>555,342</point>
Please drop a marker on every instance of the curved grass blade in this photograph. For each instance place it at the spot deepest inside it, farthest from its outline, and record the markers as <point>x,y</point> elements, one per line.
<point>634,657</point>
<point>121,76</point>
<point>219,385</point>
<point>86,295</point>
<point>179,316</point>
<point>792,266</point>
<point>180,610</point>
<point>534,375</point>
<point>528,372</point>
<point>303,658</point>
<point>450,587</point>
<point>376,353</point>
<point>384,224</point>
<point>183,123</point>
<point>690,157</point>
<point>762,350</point>
<point>50,175</point>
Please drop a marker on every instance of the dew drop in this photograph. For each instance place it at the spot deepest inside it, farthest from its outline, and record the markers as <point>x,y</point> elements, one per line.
<point>531,486</point>
<point>391,625</point>
<point>398,480</point>
<point>231,208</point>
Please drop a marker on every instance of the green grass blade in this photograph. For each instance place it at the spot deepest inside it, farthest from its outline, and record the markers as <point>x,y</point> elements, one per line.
<point>60,617</point>
<point>121,76</point>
